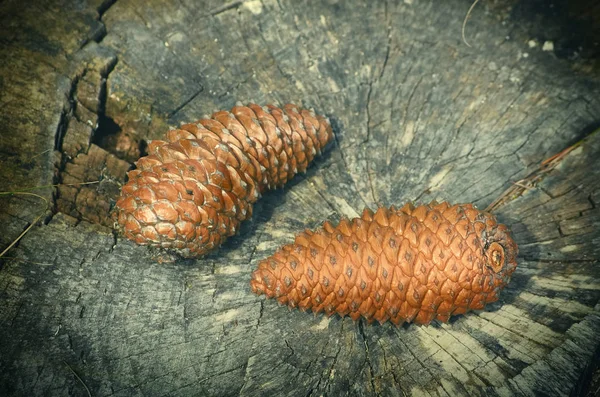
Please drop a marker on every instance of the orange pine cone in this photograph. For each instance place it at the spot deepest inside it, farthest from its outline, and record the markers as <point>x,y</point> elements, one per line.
<point>192,191</point>
<point>413,264</point>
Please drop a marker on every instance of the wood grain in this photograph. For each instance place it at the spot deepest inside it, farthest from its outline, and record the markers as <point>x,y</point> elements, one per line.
<point>419,116</point>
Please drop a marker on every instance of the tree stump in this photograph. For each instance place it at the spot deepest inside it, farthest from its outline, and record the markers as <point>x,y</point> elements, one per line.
<point>418,114</point>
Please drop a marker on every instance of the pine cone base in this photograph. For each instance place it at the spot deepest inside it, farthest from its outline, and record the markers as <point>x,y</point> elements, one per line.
<point>415,264</point>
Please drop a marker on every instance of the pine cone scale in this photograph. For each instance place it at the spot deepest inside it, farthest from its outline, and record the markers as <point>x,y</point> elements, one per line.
<point>193,189</point>
<point>413,264</point>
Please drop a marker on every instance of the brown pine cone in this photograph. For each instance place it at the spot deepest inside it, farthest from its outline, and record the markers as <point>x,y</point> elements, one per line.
<point>413,264</point>
<point>192,191</point>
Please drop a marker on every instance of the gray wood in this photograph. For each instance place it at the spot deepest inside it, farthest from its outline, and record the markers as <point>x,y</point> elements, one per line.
<point>419,116</point>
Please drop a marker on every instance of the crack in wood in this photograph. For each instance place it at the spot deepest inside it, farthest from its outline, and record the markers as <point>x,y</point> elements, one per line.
<point>421,363</point>
<point>330,371</point>
<point>458,361</point>
<point>366,141</point>
<point>318,192</point>
<point>388,26</point>
<point>104,7</point>
<point>512,331</point>
<point>356,190</point>
<point>260,313</point>
<point>368,357</point>
<point>185,103</point>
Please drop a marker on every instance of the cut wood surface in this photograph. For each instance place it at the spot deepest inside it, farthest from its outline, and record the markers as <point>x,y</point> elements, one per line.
<point>418,116</point>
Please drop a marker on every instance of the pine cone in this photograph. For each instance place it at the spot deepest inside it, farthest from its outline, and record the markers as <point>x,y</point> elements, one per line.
<point>192,191</point>
<point>413,264</point>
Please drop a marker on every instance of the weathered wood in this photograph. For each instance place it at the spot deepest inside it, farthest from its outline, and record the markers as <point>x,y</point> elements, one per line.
<point>419,115</point>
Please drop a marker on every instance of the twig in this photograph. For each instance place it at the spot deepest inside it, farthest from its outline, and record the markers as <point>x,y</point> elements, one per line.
<point>27,261</point>
<point>31,225</point>
<point>49,186</point>
<point>464,25</point>
<point>517,188</point>
<point>520,184</point>
<point>39,154</point>
<point>78,378</point>
<point>25,192</point>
